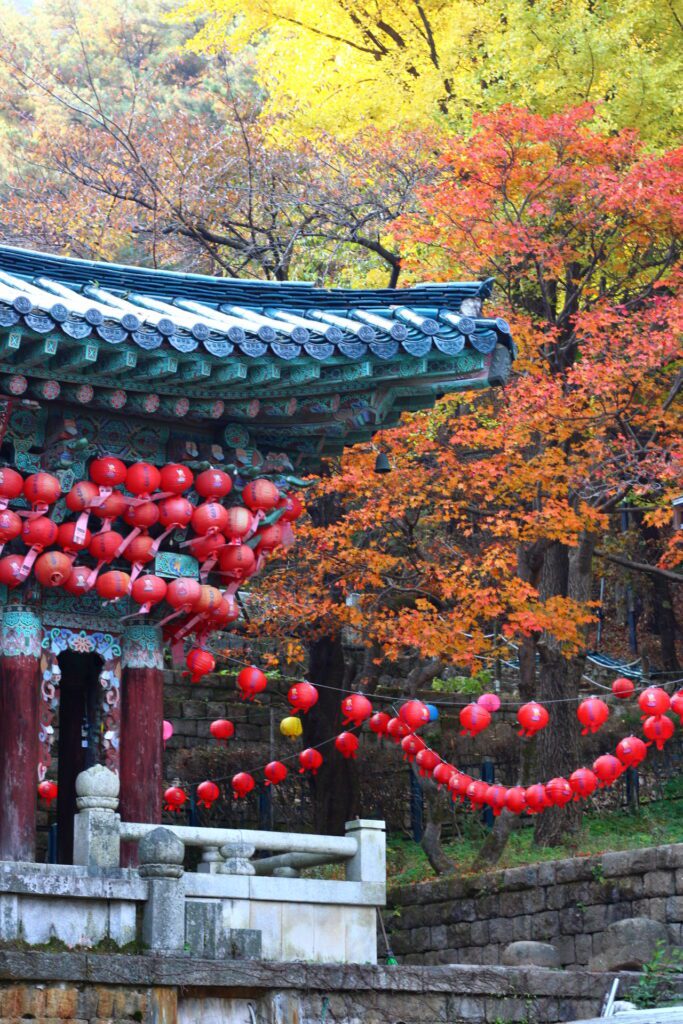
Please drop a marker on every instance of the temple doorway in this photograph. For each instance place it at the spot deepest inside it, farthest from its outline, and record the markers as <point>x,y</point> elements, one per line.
<point>78,747</point>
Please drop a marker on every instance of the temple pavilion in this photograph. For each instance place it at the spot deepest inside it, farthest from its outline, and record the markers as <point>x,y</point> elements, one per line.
<point>159,366</point>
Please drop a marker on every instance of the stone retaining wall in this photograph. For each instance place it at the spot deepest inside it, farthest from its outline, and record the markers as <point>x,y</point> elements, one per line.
<point>567,902</point>
<point>79,988</point>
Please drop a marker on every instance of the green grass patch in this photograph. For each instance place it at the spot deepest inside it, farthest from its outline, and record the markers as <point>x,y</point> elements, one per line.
<point>653,824</point>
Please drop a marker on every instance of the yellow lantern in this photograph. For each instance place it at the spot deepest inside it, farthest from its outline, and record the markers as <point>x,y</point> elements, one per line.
<point>291,727</point>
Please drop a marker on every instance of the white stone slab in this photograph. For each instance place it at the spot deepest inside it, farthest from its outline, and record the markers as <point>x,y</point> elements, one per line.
<point>330,934</point>
<point>267,918</point>
<point>298,932</point>
<point>361,935</point>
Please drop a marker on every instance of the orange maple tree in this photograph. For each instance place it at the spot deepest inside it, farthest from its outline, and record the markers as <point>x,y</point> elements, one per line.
<point>487,530</point>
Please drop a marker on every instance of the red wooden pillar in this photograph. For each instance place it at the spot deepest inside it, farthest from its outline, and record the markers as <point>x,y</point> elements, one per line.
<point>142,716</point>
<point>20,650</point>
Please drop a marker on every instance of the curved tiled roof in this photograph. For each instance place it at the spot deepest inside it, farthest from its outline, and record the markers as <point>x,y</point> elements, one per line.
<point>304,368</point>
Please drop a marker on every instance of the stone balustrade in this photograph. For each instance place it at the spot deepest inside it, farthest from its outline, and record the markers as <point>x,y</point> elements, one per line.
<point>236,905</point>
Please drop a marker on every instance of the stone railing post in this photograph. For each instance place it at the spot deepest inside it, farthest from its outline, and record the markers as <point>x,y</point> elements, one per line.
<point>161,856</point>
<point>237,859</point>
<point>369,863</point>
<point>96,826</point>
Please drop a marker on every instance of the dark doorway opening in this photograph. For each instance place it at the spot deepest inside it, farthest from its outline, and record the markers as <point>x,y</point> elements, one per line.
<point>80,702</point>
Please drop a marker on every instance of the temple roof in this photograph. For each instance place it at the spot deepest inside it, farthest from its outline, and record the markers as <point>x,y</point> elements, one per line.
<point>303,368</point>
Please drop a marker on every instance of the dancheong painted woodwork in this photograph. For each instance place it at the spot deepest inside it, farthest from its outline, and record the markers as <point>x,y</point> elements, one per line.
<point>257,378</point>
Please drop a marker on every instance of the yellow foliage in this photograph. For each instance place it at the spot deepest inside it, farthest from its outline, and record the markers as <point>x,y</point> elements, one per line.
<point>341,65</point>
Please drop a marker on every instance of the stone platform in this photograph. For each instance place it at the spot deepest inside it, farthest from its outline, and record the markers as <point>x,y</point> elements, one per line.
<point>55,988</point>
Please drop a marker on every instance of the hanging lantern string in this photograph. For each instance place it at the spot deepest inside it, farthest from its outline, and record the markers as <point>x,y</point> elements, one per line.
<point>456,704</point>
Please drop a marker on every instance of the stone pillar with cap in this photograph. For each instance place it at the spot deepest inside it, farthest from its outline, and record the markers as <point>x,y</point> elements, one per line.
<point>97,842</point>
<point>161,856</point>
<point>237,859</point>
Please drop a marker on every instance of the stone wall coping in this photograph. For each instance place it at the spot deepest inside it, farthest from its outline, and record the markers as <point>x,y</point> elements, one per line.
<point>613,864</point>
<point>284,890</point>
<point>71,881</point>
<point>121,969</point>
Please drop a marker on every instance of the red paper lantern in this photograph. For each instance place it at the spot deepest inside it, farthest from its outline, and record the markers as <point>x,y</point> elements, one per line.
<point>293,507</point>
<point>356,708</point>
<point>42,489</point>
<point>213,483</point>
<point>476,793</point>
<point>140,551</point>
<point>379,722</point>
<point>347,744</point>
<point>148,590</point>
<point>658,729</point>
<point>222,729</point>
<point>81,496</point>
<point>226,612</point>
<point>677,703</point>
<point>536,798</point>
<point>175,478</point>
<point>622,688</point>
<point>302,696</point>
<point>607,769</point>
<point>10,526</point>
<point>260,495</point>
<point>66,538</point>
<point>654,701</point>
<point>113,506</point>
<point>269,538</point>
<point>532,717</point>
<point>559,792</point>
<point>237,561</point>
<point>103,546</point>
<point>310,760</point>
<point>239,522</point>
<point>490,701</point>
<point>442,773</point>
<point>583,782</point>
<point>414,713</point>
<point>242,785</point>
<point>52,569</point>
<point>199,662</point>
<point>10,570</point>
<point>209,518</point>
<point>592,714</point>
<point>11,484</point>
<point>47,791</point>
<point>251,681</point>
<point>496,797</point>
<point>515,801</point>
<point>458,784</point>
<point>112,586</point>
<point>397,729</point>
<point>39,533</point>
<point>182,593</point>
<point>474,719</point>
<point>142,516</point>
<point>107,471</point>
<point>427,760</point>
<point>175,512</point>
<point>142,478</point>
<point>174,798</point>
<point>631,751</point>
<point>209,600</point>
<point>412,745</point>
<point>207,794</point>
<point>275,772</point>
<point>208,547</point>
<point>78,582</point>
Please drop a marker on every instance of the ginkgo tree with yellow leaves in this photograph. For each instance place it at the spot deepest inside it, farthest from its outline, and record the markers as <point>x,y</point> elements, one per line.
<point>342,65</point>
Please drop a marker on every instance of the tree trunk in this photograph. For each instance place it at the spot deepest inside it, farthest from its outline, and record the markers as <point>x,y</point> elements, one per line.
<point>335,788</point>
<point>566,572</point>
<point>431,836</point>
<point>493,847</point>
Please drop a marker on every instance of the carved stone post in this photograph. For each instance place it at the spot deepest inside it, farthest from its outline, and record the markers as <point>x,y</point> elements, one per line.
<point>142,715</point>
<point>161,856</point>
<point>237,859</point>
<point>97,842</point>
<point>20,651</point>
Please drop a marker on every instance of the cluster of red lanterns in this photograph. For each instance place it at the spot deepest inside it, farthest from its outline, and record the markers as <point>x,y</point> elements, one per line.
<point>414,714</point>
<point>229,541</point>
